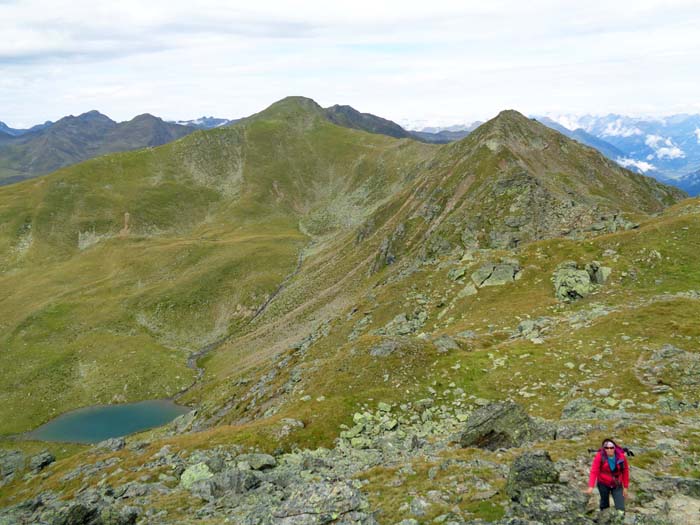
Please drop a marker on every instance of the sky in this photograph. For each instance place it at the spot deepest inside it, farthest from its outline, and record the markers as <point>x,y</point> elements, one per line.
<point>418,63</point>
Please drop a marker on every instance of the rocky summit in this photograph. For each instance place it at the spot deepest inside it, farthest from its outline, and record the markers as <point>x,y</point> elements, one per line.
<point>366,329</point>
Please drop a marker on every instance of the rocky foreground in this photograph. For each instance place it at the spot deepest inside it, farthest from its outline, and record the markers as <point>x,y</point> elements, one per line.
<point>510,454</point>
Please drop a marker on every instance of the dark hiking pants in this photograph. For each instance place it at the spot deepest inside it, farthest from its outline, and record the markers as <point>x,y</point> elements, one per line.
<point>605,493</point>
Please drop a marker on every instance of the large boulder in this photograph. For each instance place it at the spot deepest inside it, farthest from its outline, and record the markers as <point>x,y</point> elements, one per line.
<point>598,274</point>
<point>11,462</point>
<point>499,425</point>
<point>231,481</point>
<point>552,504</point>
<point>571,283</point>
<point>323,502</point>
<point>528,470</point>
<point>497,274</point>
<point>41,461</point>
<point>193,474</point>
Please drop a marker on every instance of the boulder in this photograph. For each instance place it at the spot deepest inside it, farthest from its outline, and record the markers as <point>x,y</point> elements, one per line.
<point>498,425</point>
<point>385,348</point>
<point>552,504</point>
<point>496,274</point>
<point>597,273</point>
<point>114,516</point>
<point>183,423</point>
<point>80,515</point>
<point>445,343</point>
<point>11,461</point>
<point>528,470</point>
<point>323,502</point>
<point>257,461</point>
<point>41,461</point>
<point>571,283</point>
<point>455,274</point>
<point>233,481</point>
<point>113,444</point>
<point>195,473</point>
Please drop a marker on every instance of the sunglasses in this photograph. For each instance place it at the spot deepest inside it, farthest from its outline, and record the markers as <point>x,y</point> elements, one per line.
<point>609,447</point>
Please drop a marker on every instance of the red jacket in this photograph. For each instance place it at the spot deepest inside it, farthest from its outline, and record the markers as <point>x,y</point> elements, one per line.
<point>600,470</point>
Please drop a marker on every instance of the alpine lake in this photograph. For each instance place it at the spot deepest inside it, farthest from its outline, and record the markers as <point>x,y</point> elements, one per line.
<point>98,423</point>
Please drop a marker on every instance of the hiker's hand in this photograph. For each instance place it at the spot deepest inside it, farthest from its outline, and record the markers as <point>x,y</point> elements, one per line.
<point>589,490</point>
<point>624,492</point>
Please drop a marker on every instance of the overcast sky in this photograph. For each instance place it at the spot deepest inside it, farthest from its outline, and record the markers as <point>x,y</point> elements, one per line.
<point>431,62</point>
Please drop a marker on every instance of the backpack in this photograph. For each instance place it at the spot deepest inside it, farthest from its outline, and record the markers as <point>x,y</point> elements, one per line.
<point>619,452</point>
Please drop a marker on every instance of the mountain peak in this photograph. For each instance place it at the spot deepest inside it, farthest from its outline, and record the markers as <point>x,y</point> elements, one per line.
<point>349,117</point>
<point>513,129</point>
<point>294,104</point>
<point>145,117</point>
<point>93,115</point>
<point>291,109</point>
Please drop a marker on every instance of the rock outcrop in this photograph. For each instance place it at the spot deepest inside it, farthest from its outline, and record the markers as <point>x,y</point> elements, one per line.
<point>499,425</point>
<point>572,282</point>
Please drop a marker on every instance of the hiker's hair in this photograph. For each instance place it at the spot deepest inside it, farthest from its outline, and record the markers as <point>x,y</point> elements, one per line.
<point>606,440</point>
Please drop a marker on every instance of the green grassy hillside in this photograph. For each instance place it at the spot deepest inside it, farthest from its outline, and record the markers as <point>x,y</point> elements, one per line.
<point>318,271</point>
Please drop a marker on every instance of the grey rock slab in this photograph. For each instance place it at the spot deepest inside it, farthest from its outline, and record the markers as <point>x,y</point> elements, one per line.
<point>113,444</point>
<point>257,461</point>
<point>41,461</point>
<point>498,425</point>
<point>528,470</point>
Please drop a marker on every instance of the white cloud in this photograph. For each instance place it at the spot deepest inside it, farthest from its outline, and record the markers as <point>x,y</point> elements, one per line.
<point>618,129</point>
<point>448,61</point>
<point>664,148</point>
<point>697,134</point>
<point>640,165</point>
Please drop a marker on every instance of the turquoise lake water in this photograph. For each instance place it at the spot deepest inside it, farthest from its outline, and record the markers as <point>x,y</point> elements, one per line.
<point>95,424</point>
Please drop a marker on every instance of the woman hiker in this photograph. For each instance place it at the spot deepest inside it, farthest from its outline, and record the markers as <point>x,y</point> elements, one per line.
<point>611,472</point>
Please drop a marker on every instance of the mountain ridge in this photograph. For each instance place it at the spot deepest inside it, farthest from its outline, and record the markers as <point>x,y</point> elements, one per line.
<point>347,302</point>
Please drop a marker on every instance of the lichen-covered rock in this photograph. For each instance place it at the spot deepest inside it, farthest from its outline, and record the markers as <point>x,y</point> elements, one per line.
<point>571,283</point>
<point>597,273</point>
<point>528,470</point>
<point>80,515</point>
<point>552,504</point>
<point>113,444</point>
<point>445,343</point>
<point>11,461</point>
<point>257,461</point>
<point>323,502</point>
<point>496,274</point>
<point>114,516</point>
<point>195,473</point>
<point>232,481</point>
<point>385,348</point>
<point>498,425</point>
<point>404,324</point>
<point>41,461</point>
<point>455,274</point>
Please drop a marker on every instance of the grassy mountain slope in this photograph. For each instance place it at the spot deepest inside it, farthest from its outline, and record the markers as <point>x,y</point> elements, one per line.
<point>329,270</point>
<point>215,223</point>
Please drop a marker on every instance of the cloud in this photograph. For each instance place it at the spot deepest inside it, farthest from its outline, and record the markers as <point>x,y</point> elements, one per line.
<point>664,148</point>
<point>640,165</point>
<point>448,62</point>
<point>618,129</point>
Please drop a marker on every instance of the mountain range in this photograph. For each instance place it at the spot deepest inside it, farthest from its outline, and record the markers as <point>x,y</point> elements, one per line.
<point>27,153</point>
<point>367,329</point>
<point>45,148</point>
<point>667,149</point>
